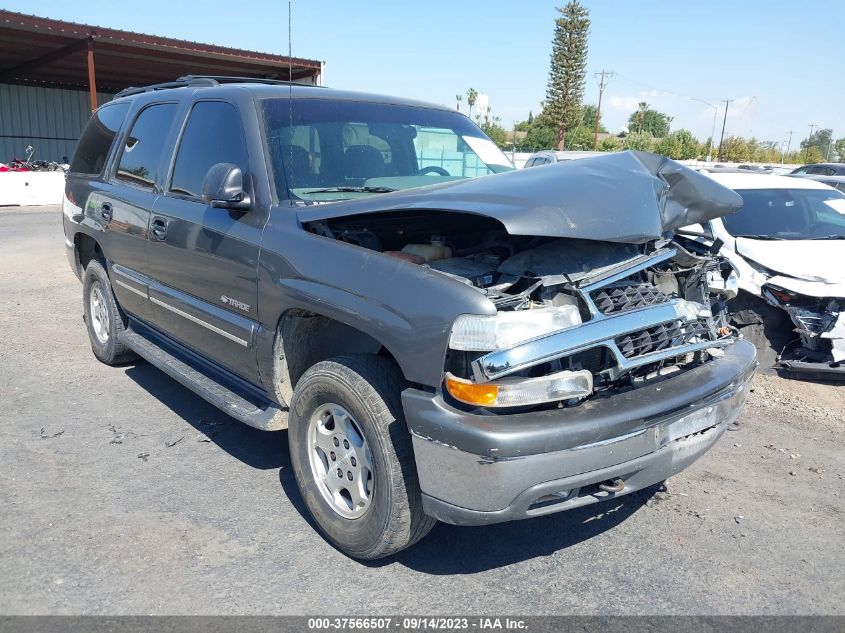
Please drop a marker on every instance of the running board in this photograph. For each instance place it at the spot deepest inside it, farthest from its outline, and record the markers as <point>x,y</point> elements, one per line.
<point>270,418</point>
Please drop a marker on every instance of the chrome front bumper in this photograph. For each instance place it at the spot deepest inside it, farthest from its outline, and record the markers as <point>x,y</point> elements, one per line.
<point>476,469</point>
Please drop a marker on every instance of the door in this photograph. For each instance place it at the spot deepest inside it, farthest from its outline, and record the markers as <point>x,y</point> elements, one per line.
<point>203,260</point>
<point>125,204</point>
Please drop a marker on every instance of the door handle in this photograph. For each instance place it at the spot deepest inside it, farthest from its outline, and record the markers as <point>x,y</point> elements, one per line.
<point>105,211</point>
<point>158,230</point>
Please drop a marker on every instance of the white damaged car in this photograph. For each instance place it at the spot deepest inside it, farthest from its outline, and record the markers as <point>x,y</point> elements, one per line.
<point>787,245</point>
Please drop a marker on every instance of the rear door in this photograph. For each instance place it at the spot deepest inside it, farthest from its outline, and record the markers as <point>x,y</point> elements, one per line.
<point>125,205</point>
<point>203,260</point>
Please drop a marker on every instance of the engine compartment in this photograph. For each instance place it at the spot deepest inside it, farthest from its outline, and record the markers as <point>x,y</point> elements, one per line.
<point>530,272</point>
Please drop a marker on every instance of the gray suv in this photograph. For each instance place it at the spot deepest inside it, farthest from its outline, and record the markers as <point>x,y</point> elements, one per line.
<point>443,337</point>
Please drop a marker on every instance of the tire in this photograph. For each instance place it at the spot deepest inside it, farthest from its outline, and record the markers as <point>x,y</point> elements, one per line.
<point>367,388</point>
<point>104,319</point>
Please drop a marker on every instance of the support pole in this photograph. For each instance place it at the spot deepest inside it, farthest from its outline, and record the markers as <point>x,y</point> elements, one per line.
<point>608,75</point>
<point>598,114</point>
<point>724,121</point>
<point>92,79</point>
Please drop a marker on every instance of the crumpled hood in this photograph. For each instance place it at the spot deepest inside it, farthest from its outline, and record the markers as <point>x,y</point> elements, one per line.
<point>631,197</point>
<point>811,260</point>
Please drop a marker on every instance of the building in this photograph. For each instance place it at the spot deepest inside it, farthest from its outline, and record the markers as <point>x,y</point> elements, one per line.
<point>54,73</point>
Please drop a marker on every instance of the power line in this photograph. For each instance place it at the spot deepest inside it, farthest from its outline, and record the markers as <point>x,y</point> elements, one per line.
<point>699,99</point>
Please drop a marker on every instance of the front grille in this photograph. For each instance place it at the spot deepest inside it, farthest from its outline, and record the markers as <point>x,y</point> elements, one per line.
<point>661,337</point>
<point>626,295</point>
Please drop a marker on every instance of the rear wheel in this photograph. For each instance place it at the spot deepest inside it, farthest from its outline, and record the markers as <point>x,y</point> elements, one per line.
<point>103,316</point>
<point>352,457</point>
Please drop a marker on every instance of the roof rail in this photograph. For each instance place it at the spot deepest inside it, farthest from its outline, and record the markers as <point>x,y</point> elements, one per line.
<point>188,80</point>
<point>201,80</point>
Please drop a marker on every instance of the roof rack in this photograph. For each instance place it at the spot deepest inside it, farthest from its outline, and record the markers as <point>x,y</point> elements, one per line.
<point>202,80</point>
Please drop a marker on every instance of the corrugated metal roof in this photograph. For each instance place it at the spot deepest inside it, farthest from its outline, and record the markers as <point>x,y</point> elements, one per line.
<point>47,52</point>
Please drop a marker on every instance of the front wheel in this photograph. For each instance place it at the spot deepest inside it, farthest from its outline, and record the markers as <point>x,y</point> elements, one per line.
<point>352,457</point>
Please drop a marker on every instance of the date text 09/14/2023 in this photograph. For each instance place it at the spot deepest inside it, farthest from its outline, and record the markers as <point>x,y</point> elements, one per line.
<point>419,623</point>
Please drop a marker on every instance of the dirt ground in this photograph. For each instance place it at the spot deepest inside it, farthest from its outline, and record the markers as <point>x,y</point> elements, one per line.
<point>123,493</point>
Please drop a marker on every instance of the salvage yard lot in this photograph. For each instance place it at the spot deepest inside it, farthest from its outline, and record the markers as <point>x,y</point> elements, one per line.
<point>124,493</point>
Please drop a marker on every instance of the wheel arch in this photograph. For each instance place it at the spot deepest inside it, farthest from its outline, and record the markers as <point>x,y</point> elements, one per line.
<point>303,338</point>
<point>85,248</point>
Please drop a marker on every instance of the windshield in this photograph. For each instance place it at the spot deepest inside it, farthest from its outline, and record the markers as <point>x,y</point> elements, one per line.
<point>788,214</point>
<point>325,150</point>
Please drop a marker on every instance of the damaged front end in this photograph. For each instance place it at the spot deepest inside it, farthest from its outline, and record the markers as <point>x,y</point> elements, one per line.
<point>589,293</point>
<point>566,330</point>
<point>819,323</point>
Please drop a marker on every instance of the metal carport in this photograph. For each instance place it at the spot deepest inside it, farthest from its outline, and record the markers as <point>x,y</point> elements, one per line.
<point>53,73</point>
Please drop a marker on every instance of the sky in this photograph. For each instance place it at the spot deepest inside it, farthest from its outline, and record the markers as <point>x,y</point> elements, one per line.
<point>779,62</point>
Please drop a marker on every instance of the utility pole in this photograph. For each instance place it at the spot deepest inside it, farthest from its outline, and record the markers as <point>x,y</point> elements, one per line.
<point>709,156</point>
<point>605,74</point>
<point>809,140</point>
<point>724,121</point>
<point>788,146</point>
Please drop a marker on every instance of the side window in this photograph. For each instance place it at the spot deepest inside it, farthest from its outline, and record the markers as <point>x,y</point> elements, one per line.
<point>530,163</point>
<point>815,171</point>
<point>214,134</point>
<point>800,170</point>
<point>96,140</point>
<point>141,156</point>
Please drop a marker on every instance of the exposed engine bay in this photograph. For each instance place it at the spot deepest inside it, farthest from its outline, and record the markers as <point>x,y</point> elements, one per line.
<point>592,282</point>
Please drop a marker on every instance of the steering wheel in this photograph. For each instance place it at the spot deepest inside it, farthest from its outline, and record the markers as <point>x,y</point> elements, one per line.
<point>432,169</point>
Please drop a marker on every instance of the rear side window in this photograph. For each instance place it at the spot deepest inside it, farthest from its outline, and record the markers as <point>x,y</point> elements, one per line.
<point>96,140</point>
<point>141,156</point>
<point>213,134</point>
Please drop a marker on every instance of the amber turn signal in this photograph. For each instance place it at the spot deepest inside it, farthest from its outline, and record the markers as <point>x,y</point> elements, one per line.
<point>470,392</point>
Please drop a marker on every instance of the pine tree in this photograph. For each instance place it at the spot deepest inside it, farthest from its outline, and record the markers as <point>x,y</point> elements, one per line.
<point>568,69</point>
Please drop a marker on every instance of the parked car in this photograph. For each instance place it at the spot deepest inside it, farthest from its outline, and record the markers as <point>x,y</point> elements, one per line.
<point>787,246</point>
<point>547,157</point>
<point>821,169</point>
<point>476,350</point>
<point>837,182</point>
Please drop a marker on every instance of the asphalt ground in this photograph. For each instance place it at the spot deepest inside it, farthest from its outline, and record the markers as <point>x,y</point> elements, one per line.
<point>121,492</point>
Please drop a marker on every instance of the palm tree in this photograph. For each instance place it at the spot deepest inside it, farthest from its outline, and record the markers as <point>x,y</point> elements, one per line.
<point>472,96</point>
<point>458,99</point>
<point>641,110</point>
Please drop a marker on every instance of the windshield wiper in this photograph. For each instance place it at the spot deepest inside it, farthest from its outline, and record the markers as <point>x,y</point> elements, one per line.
<point>830,237</point>
<point>760,237</point>
<point>352,190</point>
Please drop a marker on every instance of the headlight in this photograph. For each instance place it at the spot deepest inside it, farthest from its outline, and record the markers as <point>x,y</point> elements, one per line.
<point>521,391</point>
<point>476,333</point>
<point>782,295</point>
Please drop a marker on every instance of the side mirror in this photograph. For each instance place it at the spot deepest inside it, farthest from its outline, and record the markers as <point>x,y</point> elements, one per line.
<point>223,187</point>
